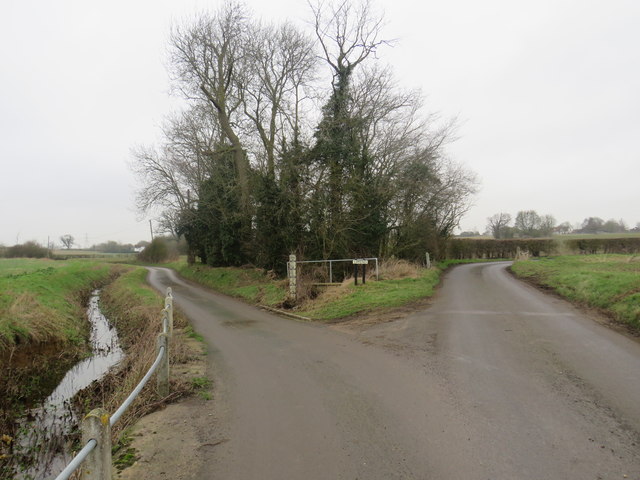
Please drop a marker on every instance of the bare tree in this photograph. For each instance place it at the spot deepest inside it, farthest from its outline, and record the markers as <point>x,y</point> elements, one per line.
<point>527,223</point>
<point>547,225</point>
<point>452,197</point>
<point>208,58</point>
<point>498,225</point>
<point>281,64</point>
<point>170,176</point>
<point>348,33</point>
<point>67,240</point>
<point>564,228</point>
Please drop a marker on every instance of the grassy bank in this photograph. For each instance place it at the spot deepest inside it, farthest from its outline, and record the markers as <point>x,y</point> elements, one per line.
<point>43,333</point>
<point>134,308</point>
<point>41,301</point>
<point>610,283</point>
<point>250,284</point>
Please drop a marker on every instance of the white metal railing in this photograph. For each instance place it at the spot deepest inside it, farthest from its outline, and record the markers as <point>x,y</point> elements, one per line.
<point>96,426</point>
<point>332,261</point>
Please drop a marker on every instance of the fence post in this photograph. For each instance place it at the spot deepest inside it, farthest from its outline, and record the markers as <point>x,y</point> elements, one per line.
<point>163,369</point>
<point>428,258</point>
<point>97,465</point>
<point>293,280</point>
<point>168,305</point>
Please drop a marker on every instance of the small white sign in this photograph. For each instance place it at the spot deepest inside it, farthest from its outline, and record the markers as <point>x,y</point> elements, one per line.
<point>360,261</point>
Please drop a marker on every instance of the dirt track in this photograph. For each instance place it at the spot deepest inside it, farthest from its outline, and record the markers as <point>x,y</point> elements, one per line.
<point>494,381</point>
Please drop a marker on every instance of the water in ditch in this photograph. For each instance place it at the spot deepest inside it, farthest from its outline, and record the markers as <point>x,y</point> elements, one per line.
<point>44,432</point>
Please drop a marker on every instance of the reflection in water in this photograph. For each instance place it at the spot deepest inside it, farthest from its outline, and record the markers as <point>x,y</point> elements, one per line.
<point>44,431</point>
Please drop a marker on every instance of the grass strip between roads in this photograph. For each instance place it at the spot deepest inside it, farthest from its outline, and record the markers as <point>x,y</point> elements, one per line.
<point>349,299</point>
<point>609,283</point>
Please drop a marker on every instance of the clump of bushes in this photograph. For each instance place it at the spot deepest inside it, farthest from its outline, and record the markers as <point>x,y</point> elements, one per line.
<point>156,252</point>
<point>28,249</point>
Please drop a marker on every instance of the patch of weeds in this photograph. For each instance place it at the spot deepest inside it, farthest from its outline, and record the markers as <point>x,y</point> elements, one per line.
<point>200,383</point>
<point>191,333</point>
<point>126,458</point>
<point>124,455</point>
<point>205,395</point>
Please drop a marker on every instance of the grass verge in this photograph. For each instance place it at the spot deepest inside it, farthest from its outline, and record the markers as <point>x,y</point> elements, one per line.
<point>609,283</point>
<point>250,284</point>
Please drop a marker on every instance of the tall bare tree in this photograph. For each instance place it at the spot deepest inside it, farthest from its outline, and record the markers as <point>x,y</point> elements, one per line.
<point>207,58</point>
<point>281,64</point>
<point>498,225</point>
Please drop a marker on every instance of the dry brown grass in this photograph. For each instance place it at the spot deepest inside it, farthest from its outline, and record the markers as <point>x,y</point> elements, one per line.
<point>394,269</point>
<point>29,321</point>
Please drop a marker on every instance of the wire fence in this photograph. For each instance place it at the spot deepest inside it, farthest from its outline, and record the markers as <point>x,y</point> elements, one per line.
<point>95,455</point>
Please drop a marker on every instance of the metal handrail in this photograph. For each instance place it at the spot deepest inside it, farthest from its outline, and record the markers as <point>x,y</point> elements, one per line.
<point>91,444</point>
<point>330,262</point>
<point>77,460</point>
<point>136,391</point>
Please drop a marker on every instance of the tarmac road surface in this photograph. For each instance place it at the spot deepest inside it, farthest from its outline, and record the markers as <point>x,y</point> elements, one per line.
<point>495,380</point>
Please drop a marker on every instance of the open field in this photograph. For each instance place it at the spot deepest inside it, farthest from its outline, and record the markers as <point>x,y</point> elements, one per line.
<point>572,236</point>
<point>78,253</point>
<point>610,283</point>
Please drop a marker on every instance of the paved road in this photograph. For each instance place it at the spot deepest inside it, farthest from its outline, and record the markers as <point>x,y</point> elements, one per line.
<point>494,381</point>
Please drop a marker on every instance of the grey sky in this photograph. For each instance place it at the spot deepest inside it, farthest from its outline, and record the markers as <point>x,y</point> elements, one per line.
<point>547,94</point>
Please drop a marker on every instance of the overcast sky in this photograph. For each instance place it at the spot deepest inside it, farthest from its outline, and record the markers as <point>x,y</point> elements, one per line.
<point>547,94</point>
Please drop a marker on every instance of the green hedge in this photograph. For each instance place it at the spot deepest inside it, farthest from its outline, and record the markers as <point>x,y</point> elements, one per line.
<point>488,248</point>
<point>463,248</point>
<point>604,245</point>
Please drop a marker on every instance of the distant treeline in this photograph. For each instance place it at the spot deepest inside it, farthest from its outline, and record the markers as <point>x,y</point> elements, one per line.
<point>467,248</point>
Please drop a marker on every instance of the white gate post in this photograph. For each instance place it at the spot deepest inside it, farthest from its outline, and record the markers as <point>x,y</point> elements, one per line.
<point>293,280</point>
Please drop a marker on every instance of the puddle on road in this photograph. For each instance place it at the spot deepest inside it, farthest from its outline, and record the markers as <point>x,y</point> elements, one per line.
<point>44,432</point>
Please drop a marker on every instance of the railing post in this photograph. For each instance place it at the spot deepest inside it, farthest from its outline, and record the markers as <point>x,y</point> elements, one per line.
<point>163,369</point>
<point>97,465</point>
<point>168,306</point>
<point>293,280</point>
<point>167,323</point>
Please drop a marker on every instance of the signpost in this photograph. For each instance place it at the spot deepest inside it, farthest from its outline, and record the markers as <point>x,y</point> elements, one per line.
<point>356,266</point>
